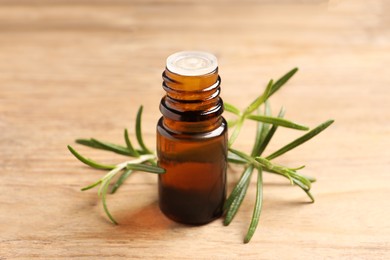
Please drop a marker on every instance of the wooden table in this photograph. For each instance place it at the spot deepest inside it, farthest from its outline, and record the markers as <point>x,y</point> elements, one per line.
<point>71,69</point>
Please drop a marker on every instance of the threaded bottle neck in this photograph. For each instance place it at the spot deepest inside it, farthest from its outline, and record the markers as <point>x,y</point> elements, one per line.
<point>191,98</point>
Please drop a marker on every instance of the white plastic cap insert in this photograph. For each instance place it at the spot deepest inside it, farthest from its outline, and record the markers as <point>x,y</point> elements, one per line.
<point>192,63</point>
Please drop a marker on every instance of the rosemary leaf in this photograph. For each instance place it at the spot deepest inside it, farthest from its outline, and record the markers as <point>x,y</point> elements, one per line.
<point>236,131</point>
<point>90,162</point>
<point>300,178</point>
<point>257,208</point>
<point>310,195</point>
<point>145,168</point>
<point>299,184</point>
<point>298,168</point>
<point>104,193</point>
<point>277,121</point>
<point>280,82</point>
<point>130,147</point>
<point>231,123</point>
<point>270,134</point>
<point>112,147</point>
<point>259,131</point>
<point>120,180</point>
<point>233,158</point>
<point>233,209</point>
<point>89,143</point>
<point>138,130</point>
<point>91,185</point>
<point>300,140</point>
<point>244,156</point>
<point>230,108</point>
<point>267,108</point>
<point>260,100</point>
<point>266,126</point>
<point>239,186</point>
<point>311,179</point>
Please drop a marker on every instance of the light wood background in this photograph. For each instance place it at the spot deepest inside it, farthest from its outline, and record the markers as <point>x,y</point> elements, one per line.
<point>71,69</point>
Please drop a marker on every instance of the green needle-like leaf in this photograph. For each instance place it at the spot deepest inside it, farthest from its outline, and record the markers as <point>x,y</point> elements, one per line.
<point>145,168</point>
<point>267,108</point>
<point>259,133</point>
<point>260,100</point>
<point>310,196</point>
<point>269,135</point>
<point>232,123</point>
<point>90,162</point>
<point>90,143</point>
<point>233,209</point>
<point>257,208</point>
<point>298,168</point>
<point>277,121</point>
<point>246,157</point>
<point>311,179</point>
<point>138,130</point>
<point>236,131</point>
<point>230,108</point>
<point>300,178</point>
<point>104,193</point>
<point>300,140</point>
<point>233,158</point>
<point>239,186</point>
<point>121,180</point>
<point>112,147</point>
<point>280,82</point>
<point>91,185</point>
<point>129,144</point>
<point>302,186</point>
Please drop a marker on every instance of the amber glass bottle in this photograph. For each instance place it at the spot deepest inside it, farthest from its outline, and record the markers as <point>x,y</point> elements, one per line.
<point>192,140</point>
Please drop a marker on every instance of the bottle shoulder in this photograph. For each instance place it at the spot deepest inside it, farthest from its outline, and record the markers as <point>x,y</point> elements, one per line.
<point>165,131</point>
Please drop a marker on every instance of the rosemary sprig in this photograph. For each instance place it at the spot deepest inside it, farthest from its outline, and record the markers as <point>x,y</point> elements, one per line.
<point>258,206</point>
<point>256,161</point>
<point>145,160</point>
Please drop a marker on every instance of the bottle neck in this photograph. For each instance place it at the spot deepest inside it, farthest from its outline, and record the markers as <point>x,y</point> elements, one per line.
<point>191,103</point>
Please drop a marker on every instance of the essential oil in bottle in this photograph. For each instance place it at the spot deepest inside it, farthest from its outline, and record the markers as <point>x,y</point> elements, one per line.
<point>192,140</point>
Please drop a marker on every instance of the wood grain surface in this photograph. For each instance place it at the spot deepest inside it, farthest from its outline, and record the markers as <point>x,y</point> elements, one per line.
<point>71,69</point>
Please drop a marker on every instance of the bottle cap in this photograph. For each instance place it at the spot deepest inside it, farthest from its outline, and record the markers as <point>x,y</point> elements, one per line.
<point>192,63</point>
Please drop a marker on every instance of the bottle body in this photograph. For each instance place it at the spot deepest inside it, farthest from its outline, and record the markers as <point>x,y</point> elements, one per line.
<point>193,189</point>
<point>192,148</point>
